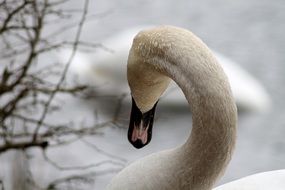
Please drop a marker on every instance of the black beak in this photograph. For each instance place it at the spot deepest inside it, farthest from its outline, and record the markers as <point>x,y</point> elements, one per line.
<point>140,128</point>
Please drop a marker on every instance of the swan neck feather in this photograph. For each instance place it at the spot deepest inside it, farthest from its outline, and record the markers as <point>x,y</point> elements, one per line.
<point>169,52</point>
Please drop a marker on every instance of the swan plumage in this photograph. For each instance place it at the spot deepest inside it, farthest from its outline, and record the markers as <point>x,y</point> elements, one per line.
<point>176,53</point>
<point>104,69</point>
<point>270,180</point>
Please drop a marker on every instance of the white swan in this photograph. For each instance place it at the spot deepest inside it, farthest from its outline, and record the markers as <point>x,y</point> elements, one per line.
<point>169,52</point>
<point>104,70</point>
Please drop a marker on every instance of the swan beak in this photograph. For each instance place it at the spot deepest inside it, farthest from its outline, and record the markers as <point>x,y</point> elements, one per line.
<point>140,128</point>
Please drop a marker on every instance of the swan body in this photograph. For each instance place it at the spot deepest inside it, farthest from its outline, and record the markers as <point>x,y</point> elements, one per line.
<point>104,70</point>
<point>271,180</point>
<point>158,55</point>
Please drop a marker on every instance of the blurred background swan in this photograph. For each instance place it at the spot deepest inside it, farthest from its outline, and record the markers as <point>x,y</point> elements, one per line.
<point>105,70</point>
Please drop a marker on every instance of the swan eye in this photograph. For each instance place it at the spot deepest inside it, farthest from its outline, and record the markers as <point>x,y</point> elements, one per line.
<point>140,128</point>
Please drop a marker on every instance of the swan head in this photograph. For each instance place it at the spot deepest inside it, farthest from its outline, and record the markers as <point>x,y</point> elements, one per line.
<point>147,84</point>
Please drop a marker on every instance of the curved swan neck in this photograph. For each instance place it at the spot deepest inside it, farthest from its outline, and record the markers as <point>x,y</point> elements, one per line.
<point>181,56</point>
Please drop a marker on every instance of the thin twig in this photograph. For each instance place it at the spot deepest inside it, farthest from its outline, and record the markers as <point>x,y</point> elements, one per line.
<point>83,167</point>
<point>11,15</point>
<point>103,152</point>
<point>86,178</point>
<point>64,71</point>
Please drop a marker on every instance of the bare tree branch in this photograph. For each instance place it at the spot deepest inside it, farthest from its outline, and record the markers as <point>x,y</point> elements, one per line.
<point>87,178</point>
<point>29,87</point>
<point>83,167</point>
<point>12,14</point>
<point>103,152</point>
<point>64,71</point>
<point>23,145</point>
